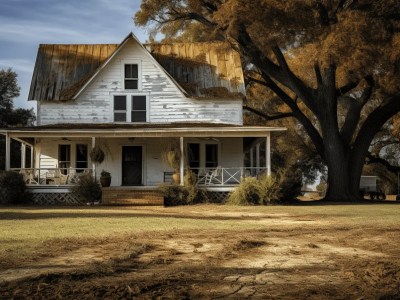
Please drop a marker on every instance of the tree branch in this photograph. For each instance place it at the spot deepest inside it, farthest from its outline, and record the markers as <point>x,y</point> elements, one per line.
<point>211,7</point>
<point>297,113</point>
<point>268,117</point>
<point>373,159</point>
<point>269,69</point>
<point>371,126</point>
<point>354,113</point>
<point>318,74</point>
<point>347,88</point>
<point>187,17</point>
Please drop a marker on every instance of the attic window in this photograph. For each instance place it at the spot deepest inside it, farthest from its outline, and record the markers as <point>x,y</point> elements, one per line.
<point>131,76</point>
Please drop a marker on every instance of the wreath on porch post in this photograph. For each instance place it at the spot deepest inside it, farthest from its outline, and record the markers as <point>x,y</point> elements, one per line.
<point>97,156</point>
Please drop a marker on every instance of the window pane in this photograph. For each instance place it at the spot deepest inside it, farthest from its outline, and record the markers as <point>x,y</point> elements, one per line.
<point>131,71</point>
<point>211,156</point>
<point>64,157</point>
<point>139,116</point>
<point>81,156</point>
<point>194,156</point>
<point>131,84</point>
<point>28,162</point>
<point>120,117</point>
<point>134,71</point>
<point>119,102</point>
<point>138,102</point>
<point>128,71</point>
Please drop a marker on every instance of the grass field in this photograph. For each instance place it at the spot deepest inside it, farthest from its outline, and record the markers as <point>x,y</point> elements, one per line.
<point>242,248</point>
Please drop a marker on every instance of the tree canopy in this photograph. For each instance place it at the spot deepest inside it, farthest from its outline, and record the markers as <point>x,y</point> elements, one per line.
<point>9,116</point>
<point>333,64</point>
<point>9,89</point>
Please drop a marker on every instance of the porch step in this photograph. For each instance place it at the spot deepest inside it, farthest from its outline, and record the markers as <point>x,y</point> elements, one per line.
<point>131,196</point>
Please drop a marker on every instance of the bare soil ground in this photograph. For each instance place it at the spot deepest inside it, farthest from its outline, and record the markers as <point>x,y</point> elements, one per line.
<point>285,256</point>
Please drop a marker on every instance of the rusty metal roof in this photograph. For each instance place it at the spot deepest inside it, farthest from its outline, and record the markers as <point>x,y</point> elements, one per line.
<point>210,70</point>
<point>61,70</point>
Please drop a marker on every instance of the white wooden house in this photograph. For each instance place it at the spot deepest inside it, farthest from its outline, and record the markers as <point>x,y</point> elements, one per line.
<point>132,100</point>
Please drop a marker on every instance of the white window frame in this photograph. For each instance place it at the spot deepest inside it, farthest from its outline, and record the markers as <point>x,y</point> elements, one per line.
<point>129,107</point>
<point>131,62</point>
<point>119,111</point>
<point>203,144</point>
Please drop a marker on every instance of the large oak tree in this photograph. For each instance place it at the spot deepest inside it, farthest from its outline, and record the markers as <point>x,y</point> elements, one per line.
<point>334,64</point>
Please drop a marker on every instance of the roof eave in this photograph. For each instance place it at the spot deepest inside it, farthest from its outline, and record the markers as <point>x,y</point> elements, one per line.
<point>200,132</point>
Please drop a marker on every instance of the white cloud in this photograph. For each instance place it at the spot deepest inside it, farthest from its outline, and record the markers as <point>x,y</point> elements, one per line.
<point>18,65</point>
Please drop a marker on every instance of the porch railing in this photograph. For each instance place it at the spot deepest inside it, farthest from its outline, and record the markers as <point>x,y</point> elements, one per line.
<point>225,176</point>
<point>52,176</point>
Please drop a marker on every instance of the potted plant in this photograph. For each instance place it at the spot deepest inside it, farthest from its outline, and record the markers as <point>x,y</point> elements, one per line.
<point>105,178</point>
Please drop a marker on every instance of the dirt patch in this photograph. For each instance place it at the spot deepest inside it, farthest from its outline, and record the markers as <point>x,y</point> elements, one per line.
<point>292,258</point>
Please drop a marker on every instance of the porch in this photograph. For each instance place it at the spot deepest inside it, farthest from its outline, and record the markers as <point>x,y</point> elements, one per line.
<point>220,156</point>
<point>206,178</point>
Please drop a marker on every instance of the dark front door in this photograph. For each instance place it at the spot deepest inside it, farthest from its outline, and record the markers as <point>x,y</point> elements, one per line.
<point>131,165</point>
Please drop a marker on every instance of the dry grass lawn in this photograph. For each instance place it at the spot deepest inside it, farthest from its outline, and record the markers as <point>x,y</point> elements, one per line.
<point>202,251</point>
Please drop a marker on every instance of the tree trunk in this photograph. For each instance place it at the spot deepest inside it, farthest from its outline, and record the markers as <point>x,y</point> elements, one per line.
<point>340,183</point>
<point>336,151</point>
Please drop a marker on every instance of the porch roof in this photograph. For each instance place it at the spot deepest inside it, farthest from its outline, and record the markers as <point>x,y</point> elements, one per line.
<point>111,130</point>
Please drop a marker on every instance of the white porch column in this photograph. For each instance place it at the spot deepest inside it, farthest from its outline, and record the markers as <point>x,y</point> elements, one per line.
<point>32,155</point>
<point>8,143</point>
<point>93,164</point>
<point>182,162</point>
<point>23,156</point>
<point>268,153</point>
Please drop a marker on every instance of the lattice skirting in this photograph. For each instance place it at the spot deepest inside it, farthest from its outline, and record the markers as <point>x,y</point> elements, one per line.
<point>217,197</point>
<point>57,199</point>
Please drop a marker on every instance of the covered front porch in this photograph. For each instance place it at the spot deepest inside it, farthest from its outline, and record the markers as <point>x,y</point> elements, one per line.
<point>219,156</point>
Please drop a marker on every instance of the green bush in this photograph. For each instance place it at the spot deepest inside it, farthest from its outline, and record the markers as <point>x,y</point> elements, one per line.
<point>178,195</point>
<point>255,191</point>
<point>290,183</point>
<point>181,195</point>
<point>87,188</point>
<point>13,189</point>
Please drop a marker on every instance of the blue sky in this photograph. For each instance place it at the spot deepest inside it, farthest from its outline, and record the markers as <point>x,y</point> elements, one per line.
<point>24,24</point>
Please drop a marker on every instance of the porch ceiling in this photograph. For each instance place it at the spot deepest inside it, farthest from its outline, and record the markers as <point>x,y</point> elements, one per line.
<point>140,130</point>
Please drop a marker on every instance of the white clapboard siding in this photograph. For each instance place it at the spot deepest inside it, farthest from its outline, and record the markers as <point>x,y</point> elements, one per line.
<point>166,102</point>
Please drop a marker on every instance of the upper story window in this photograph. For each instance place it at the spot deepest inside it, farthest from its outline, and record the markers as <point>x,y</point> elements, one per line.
<point>139,111</point>
<point>119,108</point>
<point>131,76</point>
<point>130,108</point>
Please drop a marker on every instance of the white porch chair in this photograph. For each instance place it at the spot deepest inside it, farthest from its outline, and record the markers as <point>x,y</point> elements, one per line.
<point>28,176</point>
<point>53,177</point>
<point>214,176</point>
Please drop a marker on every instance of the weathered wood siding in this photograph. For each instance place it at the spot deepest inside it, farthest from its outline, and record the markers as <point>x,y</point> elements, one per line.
<point>166,101</point>
<point>231,156</point>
